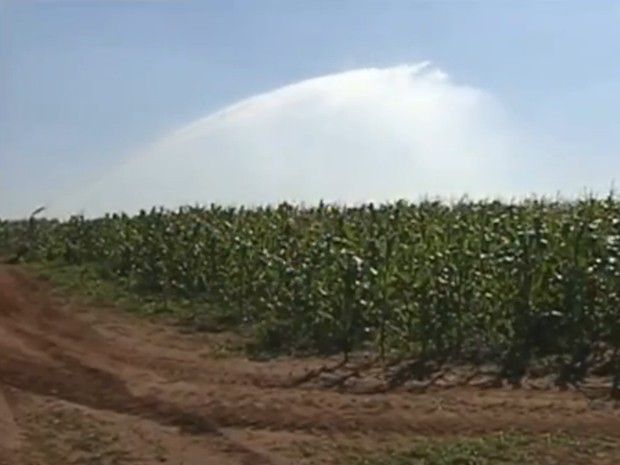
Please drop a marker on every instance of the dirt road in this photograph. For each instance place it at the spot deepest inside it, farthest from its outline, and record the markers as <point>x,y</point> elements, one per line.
<point>97,386</point>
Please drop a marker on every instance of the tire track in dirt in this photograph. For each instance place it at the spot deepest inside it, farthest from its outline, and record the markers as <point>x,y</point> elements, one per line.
<point>30,321</point>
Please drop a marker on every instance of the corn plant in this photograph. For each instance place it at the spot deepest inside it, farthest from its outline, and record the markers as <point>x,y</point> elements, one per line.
<point>478,281</point>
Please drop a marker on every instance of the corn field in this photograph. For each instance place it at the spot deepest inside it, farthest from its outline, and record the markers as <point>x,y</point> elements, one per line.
<point>471,281</point>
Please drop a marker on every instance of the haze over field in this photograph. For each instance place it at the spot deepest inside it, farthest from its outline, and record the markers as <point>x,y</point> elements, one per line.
<point>363,135</point>
<point>126,105</point>
<point>367,134</point>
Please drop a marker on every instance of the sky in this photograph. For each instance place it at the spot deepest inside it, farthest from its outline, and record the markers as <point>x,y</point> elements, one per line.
<point>112,105</point>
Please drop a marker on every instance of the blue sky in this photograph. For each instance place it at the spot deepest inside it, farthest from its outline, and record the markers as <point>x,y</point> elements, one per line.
<point>85,83</point>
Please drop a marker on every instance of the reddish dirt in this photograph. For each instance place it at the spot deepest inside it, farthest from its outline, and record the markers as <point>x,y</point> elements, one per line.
<point>98,386</point>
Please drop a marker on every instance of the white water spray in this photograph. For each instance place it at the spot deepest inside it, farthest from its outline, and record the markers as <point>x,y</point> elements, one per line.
<point>368,134</point>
